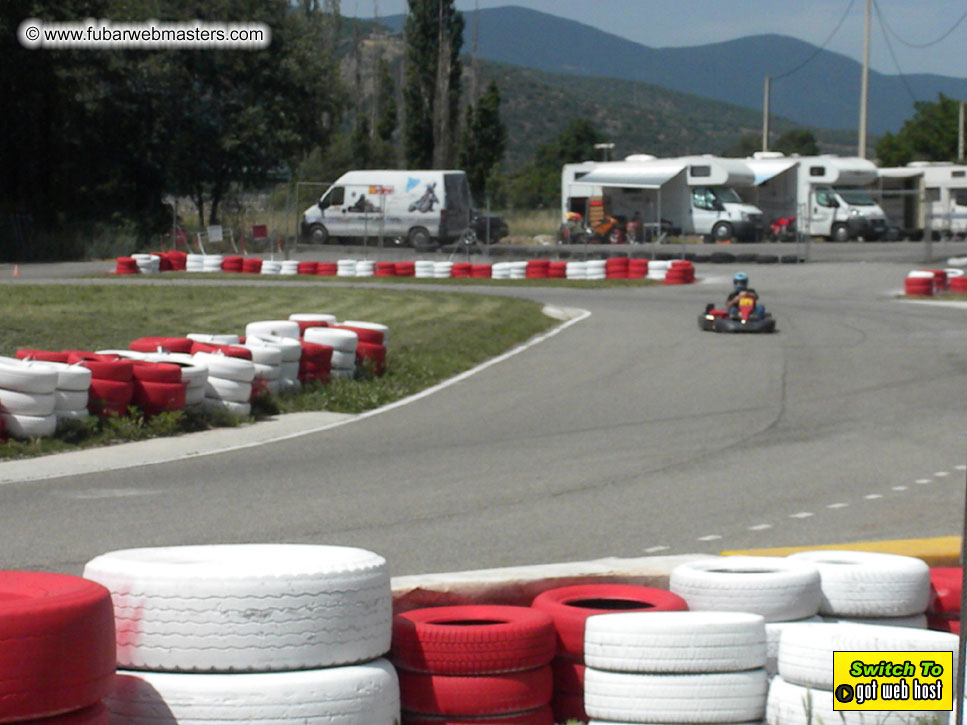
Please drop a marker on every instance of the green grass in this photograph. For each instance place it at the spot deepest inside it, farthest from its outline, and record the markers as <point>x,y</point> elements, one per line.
<point>433,336</point>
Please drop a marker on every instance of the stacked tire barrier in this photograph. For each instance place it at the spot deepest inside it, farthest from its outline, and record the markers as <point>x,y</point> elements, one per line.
<point>943,614</point>
<point>112,382</point>
<point>783,591</point>
<point>464,664</point>
<point>870,587</point>
<point>228,387</point>
<point>72,391</point>
<point>569,608</point>
<point>158,387</point>
<point>610,268</point>
<point>802,692</point>
<point>27,398</point>
<point>343,344</point>
<point>667,667</point>
<point>370,346</point>
<point>250,633</point>
<point>680,272</point>
<point>57,648</point>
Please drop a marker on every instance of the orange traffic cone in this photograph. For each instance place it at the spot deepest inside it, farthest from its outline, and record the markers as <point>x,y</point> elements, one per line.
<point>16,270</point>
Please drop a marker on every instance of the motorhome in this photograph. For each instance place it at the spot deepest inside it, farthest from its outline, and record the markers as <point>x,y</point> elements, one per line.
<point>419,208</point>
<point>829,196</point>
<point>930,194</point>
<point>684,195</point>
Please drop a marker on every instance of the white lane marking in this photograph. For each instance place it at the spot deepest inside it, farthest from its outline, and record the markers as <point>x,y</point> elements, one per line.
<point>839,505</point>
<point>961,467</point>
<point>923,481</point>
<point>801,515</point>
<point>655,549</point>
<point>899,488</point>
<point>95,493</point>
<point>710,537</point>
<point>760,527</point>
<point>873,496</point>
<point>941,474</point>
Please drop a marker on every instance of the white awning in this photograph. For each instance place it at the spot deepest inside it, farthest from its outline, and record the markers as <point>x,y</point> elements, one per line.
<point>900,172</point>
<point>769,168</point>
<point>646,175</point>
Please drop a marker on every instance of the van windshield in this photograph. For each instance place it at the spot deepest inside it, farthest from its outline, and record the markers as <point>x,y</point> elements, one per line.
<point>727,195</point>
<point>856,197</point>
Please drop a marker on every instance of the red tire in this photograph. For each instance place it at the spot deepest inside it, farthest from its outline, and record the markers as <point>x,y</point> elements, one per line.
<point>229,350</point>
<point>374,337</point>
<point>251,265</point>
<point>317,353</point>
<point>110,392</point>
<point>327,269</point>
<point>152,372</point>
<point>570,607</point>
<point>57,648</point>
<point>167,344</point>
<point>306,324</point>
<point>505,694</point>
<point>159,397</point>
<point>542,716</point>
<point>46,355</point>
<point>372,355</point>
<point>472,639</point>
<point>941,623</point>
<point>945,584</point>
<point>96,715</point>
<point>103,367</point>
<point>568,676</point>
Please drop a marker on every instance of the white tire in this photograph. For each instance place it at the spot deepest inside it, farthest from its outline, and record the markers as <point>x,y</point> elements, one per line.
<point>347,374</point>
<point>213,339</point>
<point>366,694</point>
<point>273,386</point>
<point>675,642</point>
<point>225,367</point>
<point>791,704</point>
<point>195,395</point>
<point>26,376</point>
<point>271,267</point>
<point>343,360</point>
<point>774,632</point>
<point>67,399</point>
<point>265,354</point>
<point>231,390</point>
<point>289,386</point>
<point>239,410</point>
<point>18,403</point>
<point>806,652</point>
<point>248,607</point>
<point>278,328</point>
<point>29,426</point>
<point>267,372</point>
<point>313,317</point>
<point>870,584</point>
<point>289,371</point>
<point>699,698</point>
<point>778,588</point>
<point>914,621</point>
<point>291,348</point>
<point>344,340</point>
<point>69,377</point>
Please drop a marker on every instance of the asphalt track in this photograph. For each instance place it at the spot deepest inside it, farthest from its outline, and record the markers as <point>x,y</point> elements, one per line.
<point>629,433</point>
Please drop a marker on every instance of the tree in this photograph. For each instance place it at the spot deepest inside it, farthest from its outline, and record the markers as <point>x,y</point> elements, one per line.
<point>539,183</point>
<point>797,141</point>
<point>484,141</point>
<point>931,135</point>
<point>434,37</point>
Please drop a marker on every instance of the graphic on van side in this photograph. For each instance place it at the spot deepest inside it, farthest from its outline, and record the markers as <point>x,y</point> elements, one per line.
<point>425,203</point>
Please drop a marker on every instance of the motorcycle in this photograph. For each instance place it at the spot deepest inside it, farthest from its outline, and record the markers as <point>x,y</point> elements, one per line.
<point>607,231</point>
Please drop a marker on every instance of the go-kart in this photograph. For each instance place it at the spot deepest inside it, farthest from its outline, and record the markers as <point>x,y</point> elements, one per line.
<point>744,321</point>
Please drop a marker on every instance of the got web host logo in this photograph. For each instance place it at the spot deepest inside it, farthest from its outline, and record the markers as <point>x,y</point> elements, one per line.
<point>893,681</point>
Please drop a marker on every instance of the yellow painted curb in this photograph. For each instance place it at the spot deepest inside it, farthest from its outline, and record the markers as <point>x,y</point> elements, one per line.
<point>939,551</point>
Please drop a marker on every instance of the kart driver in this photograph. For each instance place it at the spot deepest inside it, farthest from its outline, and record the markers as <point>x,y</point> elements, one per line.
<point>740,288</point>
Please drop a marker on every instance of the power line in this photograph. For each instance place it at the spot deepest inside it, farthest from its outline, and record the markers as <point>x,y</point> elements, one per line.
<point>819,49</point>
<point>889,46</point>
<point>920,45</point>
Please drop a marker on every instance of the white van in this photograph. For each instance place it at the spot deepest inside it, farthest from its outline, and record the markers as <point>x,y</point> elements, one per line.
<point>417,207</point>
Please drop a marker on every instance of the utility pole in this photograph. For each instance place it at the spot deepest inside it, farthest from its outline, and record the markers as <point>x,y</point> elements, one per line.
<point>864,85</point>
<point>960,133</point>
<point>765,114</point>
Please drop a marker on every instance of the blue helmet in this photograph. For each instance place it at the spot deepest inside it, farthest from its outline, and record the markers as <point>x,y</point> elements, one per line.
<point>740,280</point>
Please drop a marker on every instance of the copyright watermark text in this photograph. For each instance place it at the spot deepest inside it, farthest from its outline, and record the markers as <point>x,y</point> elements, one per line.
<point>151,34</point>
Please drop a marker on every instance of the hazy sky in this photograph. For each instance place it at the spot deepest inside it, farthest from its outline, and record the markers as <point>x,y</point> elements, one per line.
<point>661,23</point>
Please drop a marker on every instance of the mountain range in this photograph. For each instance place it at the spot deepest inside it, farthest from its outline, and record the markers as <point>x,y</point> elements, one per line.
<point>823,92</point>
